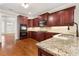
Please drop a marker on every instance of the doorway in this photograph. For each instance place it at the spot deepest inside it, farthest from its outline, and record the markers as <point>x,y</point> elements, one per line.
<point>8,32</point>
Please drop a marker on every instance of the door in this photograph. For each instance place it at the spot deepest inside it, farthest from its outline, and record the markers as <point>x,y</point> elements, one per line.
<point>8,32</point>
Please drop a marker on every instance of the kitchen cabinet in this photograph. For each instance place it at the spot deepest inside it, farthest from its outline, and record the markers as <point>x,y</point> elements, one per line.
<point>29,34</point>
<point>53,19</point>
<point>44,16</point>
<point>43,53</point>
<point>33,35</point>
<point>49,35</point>
<point>39,18</point>
<point>35,22</point>
<point>67,16</point>
<point>63,17</point>
<point>30,22</point>
<point>40,36</point>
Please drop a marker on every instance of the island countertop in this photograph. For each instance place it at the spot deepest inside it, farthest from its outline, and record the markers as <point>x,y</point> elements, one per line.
<point>60,47</point>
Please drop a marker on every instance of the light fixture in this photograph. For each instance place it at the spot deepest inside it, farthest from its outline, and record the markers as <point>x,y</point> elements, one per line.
<point>25,5</point>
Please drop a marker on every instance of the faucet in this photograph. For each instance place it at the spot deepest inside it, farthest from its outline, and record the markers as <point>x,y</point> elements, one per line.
<point>77,35</point>
<point>76,29</point>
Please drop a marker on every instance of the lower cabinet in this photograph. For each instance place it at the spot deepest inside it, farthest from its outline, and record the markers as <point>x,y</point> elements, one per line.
<point>29,34</point>
<point>43,53</point>
<point>40,36</point>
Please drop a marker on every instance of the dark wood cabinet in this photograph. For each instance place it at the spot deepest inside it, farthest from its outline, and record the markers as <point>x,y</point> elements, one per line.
<point>48,35</point>
<point>33,35</point>
<point>29,34</point>
<point>44,16</point>
<point>41,52</point>
<point>53,19</point>
<point>66,16</point>
<point>62,18</point>
<point>40,36</point>
<point>30,23</point>
<point>35,22</point>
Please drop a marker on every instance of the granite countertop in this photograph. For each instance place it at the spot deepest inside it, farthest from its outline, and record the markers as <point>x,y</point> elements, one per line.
<point>60,47</point>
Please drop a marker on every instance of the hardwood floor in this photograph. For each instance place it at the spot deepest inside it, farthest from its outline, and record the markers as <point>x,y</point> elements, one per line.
<point>25,47</point>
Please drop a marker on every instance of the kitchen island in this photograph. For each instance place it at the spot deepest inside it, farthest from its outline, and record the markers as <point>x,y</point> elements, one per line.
<point>59,47</point>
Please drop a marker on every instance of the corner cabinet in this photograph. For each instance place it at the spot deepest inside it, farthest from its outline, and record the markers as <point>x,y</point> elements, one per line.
<point>63,17</point>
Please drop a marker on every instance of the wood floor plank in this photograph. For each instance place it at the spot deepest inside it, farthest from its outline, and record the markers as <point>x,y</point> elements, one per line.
<point>24,47</point>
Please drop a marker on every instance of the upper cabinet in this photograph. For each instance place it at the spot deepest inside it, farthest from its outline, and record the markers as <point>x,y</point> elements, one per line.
<point>43,19</point>
<point>30,22</point>
<point>53,19</point>
<point>62,18</point>
<point>36,22</point>
<point>44,16</point>
<point>67,16</point>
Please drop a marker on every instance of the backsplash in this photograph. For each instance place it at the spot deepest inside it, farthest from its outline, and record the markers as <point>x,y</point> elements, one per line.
<point>62,29</point>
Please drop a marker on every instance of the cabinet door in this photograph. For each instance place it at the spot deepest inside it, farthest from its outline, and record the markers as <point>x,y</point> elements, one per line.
<point>30,23</point>
<point>44,16</point>
<point>29,34</point>
<point>48,35</point>
<point>67,17</point>
<point>35,22</point>
<point>40,36</point>
<point>53,19</point>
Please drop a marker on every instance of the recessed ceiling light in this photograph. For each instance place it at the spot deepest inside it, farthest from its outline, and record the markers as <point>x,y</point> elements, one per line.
<point>25,5</point>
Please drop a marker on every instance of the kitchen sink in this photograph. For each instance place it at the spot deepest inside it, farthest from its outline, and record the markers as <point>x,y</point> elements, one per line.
<point>64,36</point>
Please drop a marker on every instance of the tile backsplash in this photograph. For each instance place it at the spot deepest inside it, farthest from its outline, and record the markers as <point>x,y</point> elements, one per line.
<point>62,29</point>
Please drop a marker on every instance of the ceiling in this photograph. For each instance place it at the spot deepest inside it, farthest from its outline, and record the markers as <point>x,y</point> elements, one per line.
<point>34,8</point>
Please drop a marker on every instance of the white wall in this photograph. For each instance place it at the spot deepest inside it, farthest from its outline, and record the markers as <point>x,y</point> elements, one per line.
<point>0,28</point>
